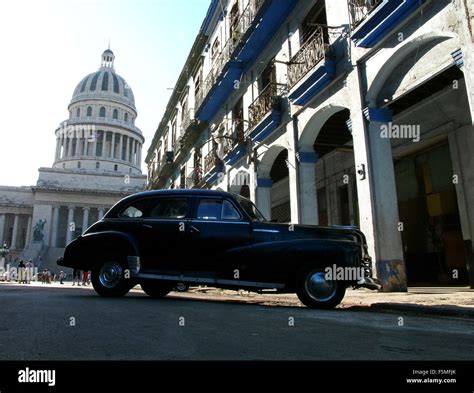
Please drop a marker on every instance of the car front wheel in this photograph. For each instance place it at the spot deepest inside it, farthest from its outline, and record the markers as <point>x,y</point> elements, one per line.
<point>157,289</point>
<point>315,291</point>
<point>109,278</point>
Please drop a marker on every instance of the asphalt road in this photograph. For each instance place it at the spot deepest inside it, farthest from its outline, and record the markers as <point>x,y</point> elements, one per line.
<point>58,323</point>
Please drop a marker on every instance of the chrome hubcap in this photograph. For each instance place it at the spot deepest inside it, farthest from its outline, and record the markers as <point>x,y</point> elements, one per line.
<point>110,274</point>
<point>318,288</point>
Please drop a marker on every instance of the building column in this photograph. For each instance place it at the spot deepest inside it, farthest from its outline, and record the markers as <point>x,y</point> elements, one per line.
<point>54,226</point>
<point>101,211</point>
<point>264,201</point>
<point>127,150</point>
<point>84,146</point>
<point>85,218</point>
<point>112,146</point>
<point>70,224</point>
<point>94,144</point>
<point>2,227</point>
<point>28,230</point>
<point>308,191</point>
<point>69,148</point>
<point>377,195</point>
<point>120,146</point>
<point>15,232</point>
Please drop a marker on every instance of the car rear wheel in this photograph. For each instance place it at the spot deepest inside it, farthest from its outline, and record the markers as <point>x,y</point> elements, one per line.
<point>182,287</point>
<point>157,289</point>
<point>109,278</point>
<point>315,291</point>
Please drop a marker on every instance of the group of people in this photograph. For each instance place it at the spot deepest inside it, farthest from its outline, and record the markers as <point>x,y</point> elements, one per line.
<point>25,271</point>
<point>81,276</point>
<point>47,277</point>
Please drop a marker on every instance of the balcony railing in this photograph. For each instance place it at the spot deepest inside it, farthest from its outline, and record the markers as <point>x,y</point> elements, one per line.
<point>267,101</point>
<point>210,160</point>
<point>188,119</point>
<point>310,54</point>
<point>360,9</point>
<point>244,22</point>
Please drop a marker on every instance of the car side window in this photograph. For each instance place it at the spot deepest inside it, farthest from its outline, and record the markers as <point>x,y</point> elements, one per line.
<point>169,208</point>
<point>135,210</point>
<point>216,209</point>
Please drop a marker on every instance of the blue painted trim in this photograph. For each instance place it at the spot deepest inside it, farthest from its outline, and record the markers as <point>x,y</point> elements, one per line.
<point>318,79</point>
<point>308,157</point>
<point>219,92</point>
<point>269,19</point>
<point>264,183</point>
<point>458,57</point>
<point>266,126</point>
<point>378,114</point>
<point>235,155</point>
<point>383,19</point>
<point>208,18</point>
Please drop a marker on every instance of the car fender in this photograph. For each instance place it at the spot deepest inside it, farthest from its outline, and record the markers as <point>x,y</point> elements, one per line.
<point>85,251</point>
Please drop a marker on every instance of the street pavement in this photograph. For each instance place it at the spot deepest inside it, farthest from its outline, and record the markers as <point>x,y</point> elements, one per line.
<point>60,322</point>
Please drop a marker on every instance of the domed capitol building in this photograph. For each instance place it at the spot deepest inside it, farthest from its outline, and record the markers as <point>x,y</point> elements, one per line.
<point>96,163</point>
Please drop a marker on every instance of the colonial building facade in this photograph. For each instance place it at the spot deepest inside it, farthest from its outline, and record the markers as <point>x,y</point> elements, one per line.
<point>96,163</point>
<point>336,112</point>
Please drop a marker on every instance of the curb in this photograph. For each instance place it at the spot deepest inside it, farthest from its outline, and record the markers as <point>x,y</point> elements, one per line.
<point>422,309</point>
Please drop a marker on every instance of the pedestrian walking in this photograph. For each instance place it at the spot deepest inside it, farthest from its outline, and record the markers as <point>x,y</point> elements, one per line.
<point>21,272</point>
<point>76,275</point>
<point>61,277</point>
<point>85,278</point>
<point>29,271</point>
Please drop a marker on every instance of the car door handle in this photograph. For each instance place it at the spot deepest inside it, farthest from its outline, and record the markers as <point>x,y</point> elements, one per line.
<point>147,226</point>
<point>194,229</point>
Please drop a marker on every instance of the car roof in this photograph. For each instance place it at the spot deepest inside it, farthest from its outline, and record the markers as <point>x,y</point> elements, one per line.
<point>180,191</point>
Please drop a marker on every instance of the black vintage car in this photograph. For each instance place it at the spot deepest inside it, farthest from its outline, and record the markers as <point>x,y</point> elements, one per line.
<point>202,237</point>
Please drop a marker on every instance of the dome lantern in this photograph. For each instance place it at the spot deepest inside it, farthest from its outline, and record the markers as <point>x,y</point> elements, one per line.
<point>108,58</point>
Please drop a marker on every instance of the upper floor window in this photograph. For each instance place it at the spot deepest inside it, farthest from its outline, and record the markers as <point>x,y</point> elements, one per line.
<point>197,81</point>
<point>115,114</point>
<point>89,111</point>
<point>125,117</point>
<point>216,46</point>
<point>78,112</point>
<point>315,18</point>
<point>102,111</point>
<point>234,19</point>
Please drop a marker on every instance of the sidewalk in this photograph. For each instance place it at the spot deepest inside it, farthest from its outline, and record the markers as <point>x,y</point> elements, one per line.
<point>449,301</point>
<point>454,301</point>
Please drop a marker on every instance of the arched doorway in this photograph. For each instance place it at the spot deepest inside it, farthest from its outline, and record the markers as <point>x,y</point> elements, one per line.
<point>430,132</point>
<point>280,191</point>
<point>327,170</point>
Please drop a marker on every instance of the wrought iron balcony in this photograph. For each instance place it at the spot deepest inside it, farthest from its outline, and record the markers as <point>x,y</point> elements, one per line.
<point>188,120</point>
<point>310,54</point>
<point>268,100</point>
<point>360,9</point>
<point>210,160</point>
<point>241,27</point>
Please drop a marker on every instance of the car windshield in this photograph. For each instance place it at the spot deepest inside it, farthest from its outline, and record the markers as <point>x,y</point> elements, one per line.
<point>250,209</point>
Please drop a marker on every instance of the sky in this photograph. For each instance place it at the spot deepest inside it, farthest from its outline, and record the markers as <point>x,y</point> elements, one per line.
<point>48,46</point>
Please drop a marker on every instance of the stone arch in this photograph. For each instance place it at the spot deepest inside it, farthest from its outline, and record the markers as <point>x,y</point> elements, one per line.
<point>419,44</point>
<point>269,157</point>
<point>314,126</point>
